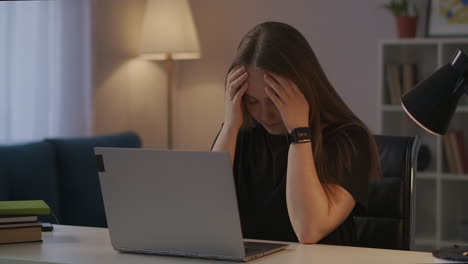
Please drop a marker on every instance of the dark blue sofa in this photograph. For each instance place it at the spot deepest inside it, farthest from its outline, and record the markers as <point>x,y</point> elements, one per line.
<point>63,173</point>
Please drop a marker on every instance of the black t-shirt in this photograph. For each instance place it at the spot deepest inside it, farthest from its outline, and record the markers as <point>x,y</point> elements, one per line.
<point>260,167</point>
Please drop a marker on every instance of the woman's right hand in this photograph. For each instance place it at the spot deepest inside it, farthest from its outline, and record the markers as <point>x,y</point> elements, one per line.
<point>236,85</point>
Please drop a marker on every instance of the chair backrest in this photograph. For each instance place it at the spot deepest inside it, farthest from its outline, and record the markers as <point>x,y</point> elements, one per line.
<point>389,222</point>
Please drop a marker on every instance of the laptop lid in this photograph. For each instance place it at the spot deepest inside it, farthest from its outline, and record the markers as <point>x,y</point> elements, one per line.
<point>170,202</point>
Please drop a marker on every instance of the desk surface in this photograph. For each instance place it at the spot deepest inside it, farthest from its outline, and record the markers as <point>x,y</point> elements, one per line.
<point>72,244</point>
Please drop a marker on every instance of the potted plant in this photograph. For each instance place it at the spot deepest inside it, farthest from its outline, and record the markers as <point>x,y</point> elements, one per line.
<point>406,14</point>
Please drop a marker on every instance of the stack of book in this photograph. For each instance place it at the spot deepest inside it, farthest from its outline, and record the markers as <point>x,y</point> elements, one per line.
<point>400,79</point>
<point>18,221</point>
<point>455,152</point>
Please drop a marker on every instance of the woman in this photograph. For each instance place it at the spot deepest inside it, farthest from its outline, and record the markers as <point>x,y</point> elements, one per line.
<point>303,187</point>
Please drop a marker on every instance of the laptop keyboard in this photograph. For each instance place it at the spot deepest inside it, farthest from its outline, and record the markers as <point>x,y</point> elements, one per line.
<point>254,248</point>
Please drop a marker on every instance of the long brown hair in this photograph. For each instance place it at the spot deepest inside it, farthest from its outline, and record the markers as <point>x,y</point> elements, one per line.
<point>280,48</point>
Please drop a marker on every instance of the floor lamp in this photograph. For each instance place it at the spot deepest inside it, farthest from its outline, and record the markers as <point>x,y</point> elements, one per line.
<point>169,34</point>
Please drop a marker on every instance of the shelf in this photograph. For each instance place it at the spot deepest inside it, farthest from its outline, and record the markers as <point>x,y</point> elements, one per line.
<point>454,177</point>
<point>440,198</point>
<point>426,175</point>
<point>450,243</point>
<point>462,109</point>
<point>444,176</point>
<point>392,108</point>
<point>443,243</point>
<point>425,241</point>
<point>399,108</point>
<point>419,41</point>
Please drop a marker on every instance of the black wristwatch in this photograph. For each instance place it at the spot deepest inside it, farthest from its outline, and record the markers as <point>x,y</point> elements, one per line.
<point>300,135</point>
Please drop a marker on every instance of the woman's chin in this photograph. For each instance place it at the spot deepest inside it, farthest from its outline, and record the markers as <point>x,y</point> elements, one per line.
<point>276,130</point>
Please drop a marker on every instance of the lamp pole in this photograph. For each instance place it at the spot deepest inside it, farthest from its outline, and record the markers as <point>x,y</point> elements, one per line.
<point>169,34</point>
<point>170,68</point>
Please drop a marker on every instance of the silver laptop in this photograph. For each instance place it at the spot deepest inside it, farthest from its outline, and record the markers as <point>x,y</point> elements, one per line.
<point>174,203</point>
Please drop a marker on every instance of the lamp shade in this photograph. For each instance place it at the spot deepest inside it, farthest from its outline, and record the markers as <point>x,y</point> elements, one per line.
<point>169,31</point>
<point>432,102</point>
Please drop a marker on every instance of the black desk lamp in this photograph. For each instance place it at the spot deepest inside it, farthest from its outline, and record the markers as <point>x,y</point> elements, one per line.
<point>431,104</point>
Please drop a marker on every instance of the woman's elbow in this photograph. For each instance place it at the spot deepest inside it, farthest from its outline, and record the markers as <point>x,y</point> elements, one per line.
<point>310,237</point>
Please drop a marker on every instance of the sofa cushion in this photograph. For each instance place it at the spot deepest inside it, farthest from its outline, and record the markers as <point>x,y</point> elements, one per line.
<point>80,193</point>
<point>28,172</point>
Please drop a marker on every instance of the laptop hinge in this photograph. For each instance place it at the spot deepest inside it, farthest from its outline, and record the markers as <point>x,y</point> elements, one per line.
<point>100,163</point>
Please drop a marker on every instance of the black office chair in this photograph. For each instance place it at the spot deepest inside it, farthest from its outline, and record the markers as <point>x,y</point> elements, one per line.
<point>389,222</point>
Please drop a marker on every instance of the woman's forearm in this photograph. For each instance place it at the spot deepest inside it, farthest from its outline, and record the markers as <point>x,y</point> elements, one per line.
<point>306,199</point>
<point>226,141</point>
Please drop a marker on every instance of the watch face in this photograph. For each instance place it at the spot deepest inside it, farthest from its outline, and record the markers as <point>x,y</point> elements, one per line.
<point>301,134</point>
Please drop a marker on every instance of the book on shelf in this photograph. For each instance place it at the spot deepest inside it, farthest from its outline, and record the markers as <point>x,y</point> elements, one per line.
<point>456,152</point>
<point>408,76</point>
<point>393,83</point>
<point>400,79</point>
<point>461,149</point>
<point>17,208</point>
<point>448,151</point>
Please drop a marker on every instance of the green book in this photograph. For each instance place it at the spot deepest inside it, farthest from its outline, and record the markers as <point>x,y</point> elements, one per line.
<point>37,207</point>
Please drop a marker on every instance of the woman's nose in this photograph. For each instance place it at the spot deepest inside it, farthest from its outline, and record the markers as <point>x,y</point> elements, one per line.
<point>268,113</point>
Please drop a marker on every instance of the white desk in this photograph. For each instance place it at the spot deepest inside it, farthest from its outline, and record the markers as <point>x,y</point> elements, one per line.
<point>71,244</point>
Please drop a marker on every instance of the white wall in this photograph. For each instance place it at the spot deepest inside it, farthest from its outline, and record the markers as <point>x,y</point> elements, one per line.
<point>343,34</point>
<point>129,93</point>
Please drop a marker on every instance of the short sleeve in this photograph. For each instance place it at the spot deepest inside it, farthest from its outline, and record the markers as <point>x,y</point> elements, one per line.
<point>239,143</point>
<point>239,154</point>
<point>354,177</point>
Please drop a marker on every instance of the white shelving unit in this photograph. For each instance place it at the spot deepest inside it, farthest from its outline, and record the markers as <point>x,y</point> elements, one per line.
<point>441,197</point>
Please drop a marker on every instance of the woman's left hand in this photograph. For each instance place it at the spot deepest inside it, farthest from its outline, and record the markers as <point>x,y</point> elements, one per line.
<point>289,100</point>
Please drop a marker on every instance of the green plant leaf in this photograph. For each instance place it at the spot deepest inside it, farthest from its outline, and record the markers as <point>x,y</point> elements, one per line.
<point>401,8</point>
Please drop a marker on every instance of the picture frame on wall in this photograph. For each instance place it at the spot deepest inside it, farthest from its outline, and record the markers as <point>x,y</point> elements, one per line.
<point>447,18</point>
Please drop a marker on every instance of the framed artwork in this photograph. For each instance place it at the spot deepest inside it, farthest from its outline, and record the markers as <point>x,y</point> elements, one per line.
<point>447,18</point>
